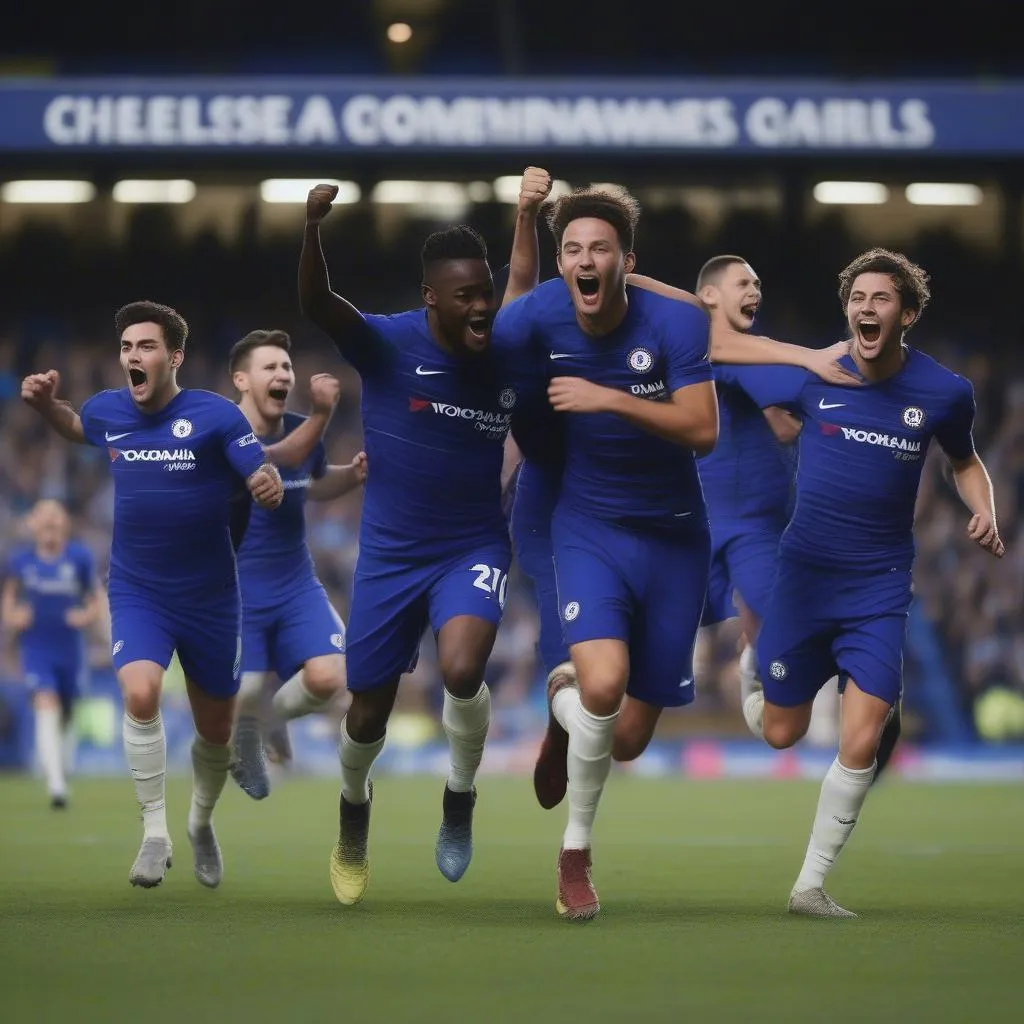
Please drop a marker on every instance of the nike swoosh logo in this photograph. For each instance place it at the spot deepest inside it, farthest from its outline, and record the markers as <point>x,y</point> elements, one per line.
<point>822,404</point>
<point>561,355</point>
<point>116,437</point>
<point>420,372</point>
<point>682,515</point>
<point>685,683</point>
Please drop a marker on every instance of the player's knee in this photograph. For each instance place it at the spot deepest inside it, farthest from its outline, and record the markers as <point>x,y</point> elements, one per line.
<point>325,676</point>
<point>215,729</point>
<point>462,673</point>
<point>140,687</point>
<point>629,747</point>
<point>782,733</point>
<point>367,717</point>
<point>43,699</point>
<point>858,747</point>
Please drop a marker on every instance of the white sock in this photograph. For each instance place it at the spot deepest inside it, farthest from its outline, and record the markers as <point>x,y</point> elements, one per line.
<point>249,702</point>
<point>589,761</point>
<point>564,706</point>
<point>210,763</point>
<point>842,796</point>
<point>145,750</point>
<point>48,749</point>
<point>466,721</point>
<point>749,681</point>
<point>753,712</point>
<point>356,761</point>
<point>69,747</point>
<point>293,700</point>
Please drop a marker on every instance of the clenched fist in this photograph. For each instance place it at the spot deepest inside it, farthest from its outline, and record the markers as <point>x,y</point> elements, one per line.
<point>324,391</point>
<point>266,487</point>
<point>318,202</point>
<point>535,188</point>
<point>40,389</point>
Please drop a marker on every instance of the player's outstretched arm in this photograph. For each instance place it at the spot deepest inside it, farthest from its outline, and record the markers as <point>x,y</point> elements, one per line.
<point>689,418</point>
<point>524,263</point>
<point>15,614</point>
<point>39,390</point>
<point>974,486</point>
<point>652,284</point>
<point>338,481</point>
<point>295,447</point>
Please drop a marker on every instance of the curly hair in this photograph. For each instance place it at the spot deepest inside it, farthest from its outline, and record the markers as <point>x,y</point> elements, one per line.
<point>909,280</point>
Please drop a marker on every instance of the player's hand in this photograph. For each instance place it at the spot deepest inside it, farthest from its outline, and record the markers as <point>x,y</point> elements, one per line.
<point>324,391</point>
<point>983,531</point>
<point>266,487</point>
<point>535,188</point>
<point>574,394</point>
<point>77,618</point>
<point>825,364</point>
<point>360,469</point>
<point>20,618</point>
<point>39,390</point>
<point>318,202</point>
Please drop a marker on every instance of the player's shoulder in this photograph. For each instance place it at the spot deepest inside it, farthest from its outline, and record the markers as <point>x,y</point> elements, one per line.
<point>548,297</point>
<point>928,372</point>
<point>198,402</point>
<point>409,321</point>
<point>291,420</point>
<point>661,309</point>
<point>78,551</point>
<point>109,400</point>
<point>19,555</point>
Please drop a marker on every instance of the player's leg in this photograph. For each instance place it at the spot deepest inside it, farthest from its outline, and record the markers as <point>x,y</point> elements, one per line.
<point>662,637</point>
<point>210,651</point>
<point>142,650</point>
<point>870,655</point>
<point>46,706</point>
<point>596,600</point>
<point>248,763</point>
<point>465,606</point>
<point>387,619</point>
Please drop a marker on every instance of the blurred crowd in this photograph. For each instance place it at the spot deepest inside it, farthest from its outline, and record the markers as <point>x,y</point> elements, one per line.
<point>64,291</point>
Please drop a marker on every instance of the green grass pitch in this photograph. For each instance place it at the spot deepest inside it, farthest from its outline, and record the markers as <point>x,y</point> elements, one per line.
<point>693,878</point>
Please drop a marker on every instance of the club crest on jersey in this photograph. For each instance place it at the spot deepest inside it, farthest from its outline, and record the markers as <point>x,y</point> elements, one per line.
<point>181,428</point>
<point>506,398</point>
<point>640,360</point>
<point>117,649</point>
<point>572,610</point>
<point>913,417</point>
<point>778,671</point>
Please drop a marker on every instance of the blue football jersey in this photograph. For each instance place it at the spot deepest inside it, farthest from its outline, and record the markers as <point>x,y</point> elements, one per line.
<point>862,450</point>
<point>179,489</point>
<point>615,470</point>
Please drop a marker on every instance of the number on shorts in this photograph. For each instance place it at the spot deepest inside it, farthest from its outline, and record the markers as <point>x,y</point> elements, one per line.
<point>491,580</point>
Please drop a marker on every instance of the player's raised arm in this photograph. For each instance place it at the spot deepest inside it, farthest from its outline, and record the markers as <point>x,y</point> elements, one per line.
<point>524,263</point>
<point>15,614</point>
<point>39,390</point>
<point>295,447</point>
<point>338,481</point>
<point>652,284</point>
<point>334,315</point>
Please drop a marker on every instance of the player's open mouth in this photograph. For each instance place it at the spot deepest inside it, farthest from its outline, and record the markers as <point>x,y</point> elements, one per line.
<point>749,310</point>
<point>588,287</point>
<point>480,327</point>
<point>869,330</point>
<point>137,377</point>
<point>278,394</point>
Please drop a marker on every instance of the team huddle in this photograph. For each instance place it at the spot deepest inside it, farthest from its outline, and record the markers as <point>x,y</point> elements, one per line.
<point>639,432</point>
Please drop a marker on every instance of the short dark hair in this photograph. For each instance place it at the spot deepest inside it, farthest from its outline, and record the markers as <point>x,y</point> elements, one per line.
<point>611,203</point>
<point>459,242</point>
<point>909,280</point>
<point>711,272</point>
<point>241,351</point>
<point>170,321</point>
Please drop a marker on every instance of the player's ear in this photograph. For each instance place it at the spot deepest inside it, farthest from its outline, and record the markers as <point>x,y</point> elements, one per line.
<point>176,358</point>
<point>238,378</point>
<point>907,317</point>
<point>558,262</point>
<point>429,296</point>
<point>630,262</point>
<point>707,295</point>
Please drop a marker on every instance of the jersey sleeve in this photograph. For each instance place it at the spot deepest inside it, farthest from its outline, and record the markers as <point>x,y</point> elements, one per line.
<point>368,348</point>
<point>86,568</point>
<point>686,347</point>
<point>242,447</point>
<point>765,385</point>
<point>521,361</point>
<point>955,433</point>
<point>92,421</point>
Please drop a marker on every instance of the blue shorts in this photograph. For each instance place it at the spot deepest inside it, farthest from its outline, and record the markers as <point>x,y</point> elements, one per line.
<point>646,589</point>
<point>822,622</point>
<point>536,497</point>
<point>206,636</point>
<point>394,600</point>
<point>65,680</point>
<point>743,560</point>
<point>283,637</point>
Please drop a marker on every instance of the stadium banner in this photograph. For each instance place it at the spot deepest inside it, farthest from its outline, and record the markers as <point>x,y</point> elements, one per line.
<point>524,116</point>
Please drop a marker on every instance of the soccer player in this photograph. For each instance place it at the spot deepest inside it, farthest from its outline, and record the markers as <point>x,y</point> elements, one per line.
<point>50,597</point>
<point>630,530</point>
<point>288,625</point>
<point>434,546</point>
<point>185,463</point>
<point>843,588</point>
